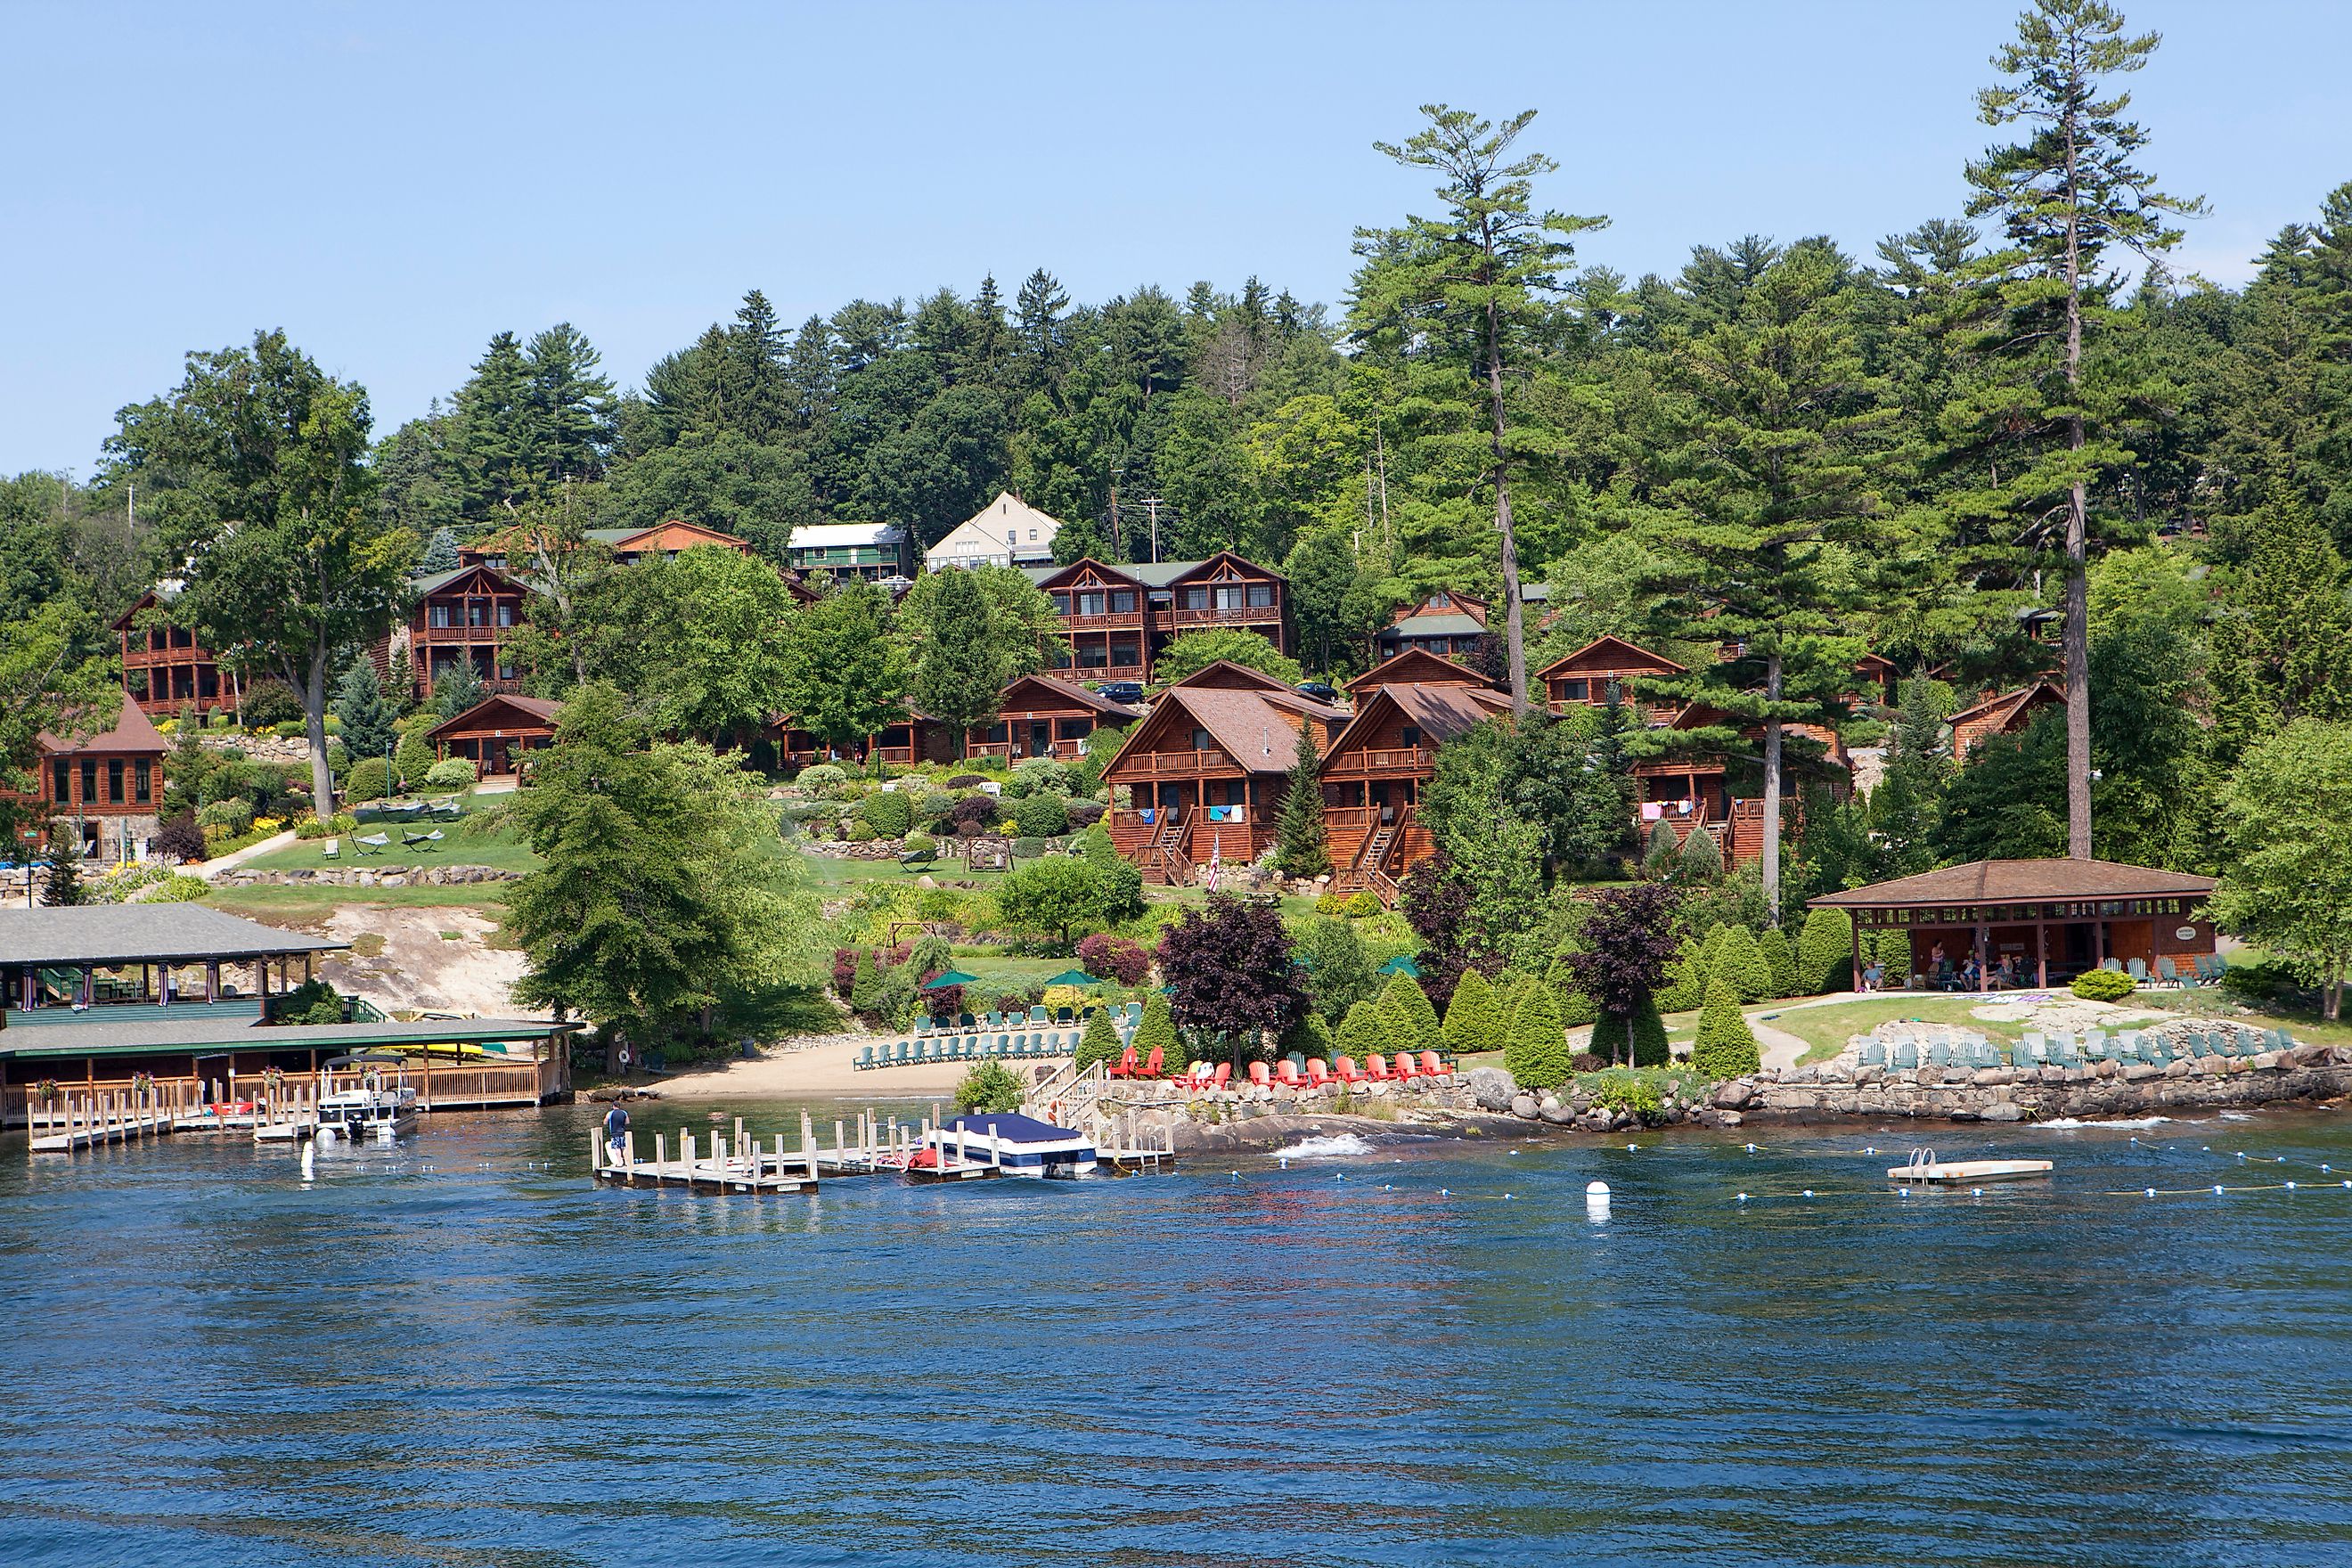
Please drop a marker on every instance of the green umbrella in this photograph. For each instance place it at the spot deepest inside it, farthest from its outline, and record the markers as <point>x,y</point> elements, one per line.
<point>945,978</point>
<point>1401,963</point>
<point>1073,977</point>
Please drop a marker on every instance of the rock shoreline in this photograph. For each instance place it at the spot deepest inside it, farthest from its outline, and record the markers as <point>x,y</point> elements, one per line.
<point>367,877</point>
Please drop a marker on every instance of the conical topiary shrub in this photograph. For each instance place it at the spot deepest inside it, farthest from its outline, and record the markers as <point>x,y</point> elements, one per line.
<point>1472,1023</point>
<point>1662,848</point>
<point>1741,961</point>
<point>1725,1046</point>
<point>1780,959</point>
<point>1538,1055</point>
<point>1685,981</point>
<point>1413,1022</point>
<point>1362,1032</point>
<point>1649,1036</point>
<point>1099,1043</point>
<point>1158,1028</point>
<point>1701,859</point>
<point>1825,953</point>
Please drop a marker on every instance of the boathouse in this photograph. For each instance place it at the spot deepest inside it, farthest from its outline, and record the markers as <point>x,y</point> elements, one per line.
<point>2041,922</point>
<point>100,997</point>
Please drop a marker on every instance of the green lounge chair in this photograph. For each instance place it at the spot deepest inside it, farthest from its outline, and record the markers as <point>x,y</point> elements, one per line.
<point>1873,1054</point>
<point>866,1058</point>
<point>1905,1057</point>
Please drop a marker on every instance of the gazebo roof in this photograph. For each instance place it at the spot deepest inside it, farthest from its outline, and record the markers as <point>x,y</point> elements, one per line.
<point>2021,882</point>
<point>108,934</point>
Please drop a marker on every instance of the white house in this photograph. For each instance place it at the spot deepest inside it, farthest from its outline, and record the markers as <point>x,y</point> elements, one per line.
<point>1008,531</point>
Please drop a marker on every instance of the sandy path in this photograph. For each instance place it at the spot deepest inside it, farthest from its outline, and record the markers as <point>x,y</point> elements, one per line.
<point>816,1072</point>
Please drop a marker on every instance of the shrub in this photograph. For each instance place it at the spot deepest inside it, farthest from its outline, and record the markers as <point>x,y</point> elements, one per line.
<point>1099,1043</point>
<point>312,1002</point>
<point>1538,1055</point>
<point>865,986</point>
<point>1472,1023</point>
<point>1334,905</point>
<point>1113,958</point>
<point>1701,858</point>
<point>1725,1046</point>
<point>287,729</point>
<point>1362,904</point>
<point>1027,848</point>
<point>821,777</point>
<point>1661,850</point>
<point>339,756</point>
<point>973,816</point>
<point>990,1087</point>
<point>1649,1042</point>
<point>1892,949</point>
<point>174,889</point>
<point>2101,985</point>
<point>370,779</point>
<point>449,772</point>
<point>1616,1091</point>
<point>179,839</point>
<point>962,780</point>
<point>1739,959</point>
<point>1413,1022</point>
<point>342,822</point>
<point>1825,953</point>
<point>1085,812</point>
<point>1575,1007</point>
<point>412,758</point>
<point>1363,1031</point>
<point>922,846</point>
<point>888,813</point>
<point>1312,1038</point>
<point>858,832</point>
<point>1685,982</point>
<point>1041,815</point>
<point>1780,959</point>
<point>1158,1028</point>
<point>1039,775</point>
<point>935,807</point>
<point>236,815</point>
<point>268,703</point>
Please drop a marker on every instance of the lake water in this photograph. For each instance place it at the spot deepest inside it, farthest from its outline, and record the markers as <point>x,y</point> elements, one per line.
<point>459,1351</point>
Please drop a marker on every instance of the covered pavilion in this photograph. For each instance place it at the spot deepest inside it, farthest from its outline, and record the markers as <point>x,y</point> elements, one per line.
<point>2049,920</point>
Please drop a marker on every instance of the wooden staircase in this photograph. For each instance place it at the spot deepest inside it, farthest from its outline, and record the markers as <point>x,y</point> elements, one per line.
<point>1374,866</point>
<point>1168,855</point>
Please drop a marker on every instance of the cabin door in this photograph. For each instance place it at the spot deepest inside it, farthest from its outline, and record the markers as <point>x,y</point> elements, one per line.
<point>1040,738</point>
<point>1383,812</point>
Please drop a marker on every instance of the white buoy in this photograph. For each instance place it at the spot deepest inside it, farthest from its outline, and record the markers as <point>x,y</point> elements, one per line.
<point>323,1135</point>
<point>2151,1192</point>
<point>1596,1200</point>
<point>309,1158</point>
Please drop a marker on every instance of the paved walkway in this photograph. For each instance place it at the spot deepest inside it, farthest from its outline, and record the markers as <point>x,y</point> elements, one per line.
<point>231,862</point>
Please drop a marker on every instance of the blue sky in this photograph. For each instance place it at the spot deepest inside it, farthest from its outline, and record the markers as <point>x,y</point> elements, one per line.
<point>391,184</point>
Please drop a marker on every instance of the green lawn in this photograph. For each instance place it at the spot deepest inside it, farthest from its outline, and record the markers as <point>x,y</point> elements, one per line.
<point>310,902</point>
<point>459,846</point>
<point>1825,1029</point>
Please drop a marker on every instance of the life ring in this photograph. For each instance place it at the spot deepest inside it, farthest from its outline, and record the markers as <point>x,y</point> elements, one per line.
<point>1054,1113</point>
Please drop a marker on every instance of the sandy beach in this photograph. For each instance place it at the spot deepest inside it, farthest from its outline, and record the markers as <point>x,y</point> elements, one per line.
<point>814,1072</point>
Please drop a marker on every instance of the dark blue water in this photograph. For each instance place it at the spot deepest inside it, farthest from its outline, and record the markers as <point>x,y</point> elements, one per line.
<point>459,1352</point>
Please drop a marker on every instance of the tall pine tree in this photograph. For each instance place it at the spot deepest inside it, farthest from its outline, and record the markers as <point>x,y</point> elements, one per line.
<point>1299,849</point>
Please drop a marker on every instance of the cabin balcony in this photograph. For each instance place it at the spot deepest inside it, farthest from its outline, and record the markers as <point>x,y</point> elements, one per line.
<point>1383,763</point>
<point>1265,618</point>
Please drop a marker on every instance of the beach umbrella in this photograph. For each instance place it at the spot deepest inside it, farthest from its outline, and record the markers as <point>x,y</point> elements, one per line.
<point>1401,963</point>
<point>945,978</point>
<point>1073,977</point>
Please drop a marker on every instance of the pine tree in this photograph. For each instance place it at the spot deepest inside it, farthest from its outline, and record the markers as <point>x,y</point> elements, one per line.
<point>1298,844</point>
<point>1538,1055</point>
<point>61,885</point>
<point>1156,1030</point>
<point>491,438</point>
<point>1725,1046</point>
<point>1413,1021</point>
<point>1663,852</point>
<point>1471,1023</point>
<point>1741,961</point>
<point>367,717</point>
<point>440,554</point>
<point>1902,809</point>
<point>456,689</point>
<point>1700,859</point>
<point>756,352</point>
<point>1650,1049</point>
<point>1099,1043</point>
<point>957,673</point>
<point>2065,195</point>
<point>569,409</point>
<point>1825,953</point>
<point>866,988</point>
<point>2283,649</point>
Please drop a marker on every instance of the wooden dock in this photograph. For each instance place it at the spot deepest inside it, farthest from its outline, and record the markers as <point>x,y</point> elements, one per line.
<point>872,1147</point>
<point>92,1122</point>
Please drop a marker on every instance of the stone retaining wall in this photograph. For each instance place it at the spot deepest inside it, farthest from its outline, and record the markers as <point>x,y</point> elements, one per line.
<point>950,850</point>
<point>367,877</point>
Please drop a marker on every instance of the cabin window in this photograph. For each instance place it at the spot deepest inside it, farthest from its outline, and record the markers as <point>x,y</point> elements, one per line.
<point>992,735</point>
<point>114,781</point>
<point>1126,654</point>
<point>1261,596</point>
<point>1200,741</point>
<point>143,784</point>
<point>135,681</point>
<point>1122,602</point>
<point>1410,735</point>
<point>1074,729</point>
<point>1232,596</point>
<point>1090,603</point>
<point>1093,656</point>
<point>477,612</point>
<point>506,671</point>
<point>1061,604</point>
<point>61,782</point>
<point>436,615</point>
<point>1440,600</point>
<point>89,779</point>
<point>1196,598</point>
<point>506,612</point>
<point>1574,690</point>
<point>183,638</point>
<point>1060,654</point>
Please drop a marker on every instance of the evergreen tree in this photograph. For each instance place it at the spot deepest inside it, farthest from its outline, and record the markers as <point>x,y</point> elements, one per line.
<point>2285,650</point>
<point>1538,1055</point>
<point>1338,973</point>
<point>1472,285</point>
<point>1700,859</point>
<point>1685,986</point>
<point>1663,853</point>
<point>1099,1043</point>
<point>367,717</point>
<point>1471,1025</point>
<point>1411,1020</point>
<point>1362,1033</point>
<point>1155,1031</point>
<point>957,672</point>
<point>1903,807</point>
<point>1741,961</point>
<point>1300,843</point>
<point>1825,953</point>
<point>1725,1046</point>
<point>440,552</point>
<point>568,410</point>
<point>456,689</point>
<point>2065,196</point>
<point>1780,959</point>
<point>61,884</point>
<point>490,441</point>
<point>1649,1032</point>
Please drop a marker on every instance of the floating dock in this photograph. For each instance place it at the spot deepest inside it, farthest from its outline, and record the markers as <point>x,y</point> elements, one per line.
<point>872,1146</point>
<point>92,1122</point>
<point>1925,1167</point>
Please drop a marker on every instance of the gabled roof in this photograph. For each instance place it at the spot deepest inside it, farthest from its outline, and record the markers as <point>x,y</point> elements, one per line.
<point>999,524</point>
<point>1060,576</point>
<point>1444,713</point>
<point>1457,602</point>
<point>1417,666</point>
<point>131,933</point>
<point>1625,655</point>
<point>1448,624</point>
<point>1190,569</point>
<point>822,535</point>
<point>442,581</point>
<point>622,538</point>
<point>2003,709</point>
<point>1232,676</point>
<point>1257,729</point>
<point>2019,882</point>
<point>533,711</point>
<point>1063,693</point>
<point>133,731</point>
<point>145,601</point>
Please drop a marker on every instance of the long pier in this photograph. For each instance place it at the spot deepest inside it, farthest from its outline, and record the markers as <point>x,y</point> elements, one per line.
<point>90,1121</point>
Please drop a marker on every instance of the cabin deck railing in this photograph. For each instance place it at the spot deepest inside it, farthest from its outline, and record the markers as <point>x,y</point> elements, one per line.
<point>445,1086</point>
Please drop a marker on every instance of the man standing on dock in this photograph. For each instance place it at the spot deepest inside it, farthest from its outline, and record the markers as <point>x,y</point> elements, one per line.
<point>616,1134</point>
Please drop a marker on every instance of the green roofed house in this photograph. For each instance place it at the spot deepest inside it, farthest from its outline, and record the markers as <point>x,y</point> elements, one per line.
<point>97,993</point>
<point>878,551</point>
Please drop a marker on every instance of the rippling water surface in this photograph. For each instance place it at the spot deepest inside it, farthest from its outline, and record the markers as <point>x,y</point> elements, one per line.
<point>459,1351</point>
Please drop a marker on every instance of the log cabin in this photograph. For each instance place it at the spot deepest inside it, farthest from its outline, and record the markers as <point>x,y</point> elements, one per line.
<point>1223,592</point>
<point>164,669</point>
<point>103,790</point>
<point>662,541</point>
<point>1416,666</point>
<point>495,734</point>
<point>2007,713</point>
<point>1040,717</point>
<point>1377,768</point>
<point>1609,665</point>
<point>1107,623</point>
<point>917,738</point>
<point>1448,624</point>
<point>1691,790</point>
<point>1201,780</point>
<point>463,617</point>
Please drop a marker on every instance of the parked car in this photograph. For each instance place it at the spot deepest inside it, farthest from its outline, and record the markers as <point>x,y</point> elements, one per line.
<point>1322,692</point>
<point>1121,690</point>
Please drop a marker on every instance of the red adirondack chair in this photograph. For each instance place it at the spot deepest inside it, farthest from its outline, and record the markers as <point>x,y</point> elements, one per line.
<point>1259,1077</point>
<point>1317,1075</point>
<point>1405,1071</point>
<point>1224,1071</point>
<point>1344,1069</point>
<point>1124,1067</point>
<point>1284,1073</point>
<point>1151,1069</point>
<point>1376,1068</point>
<point>1432,1067</point>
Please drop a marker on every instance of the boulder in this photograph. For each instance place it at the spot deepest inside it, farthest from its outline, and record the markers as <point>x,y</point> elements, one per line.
<point>1492,1087</point>
<point>1523,1107</point>
<point>1727,1119</point>
<point>1734,1094</point>
<point>2004,1111</point>
<point>1555,1114</point>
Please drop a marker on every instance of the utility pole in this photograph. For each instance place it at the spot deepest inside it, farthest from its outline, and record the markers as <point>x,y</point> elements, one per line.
<point>1380,447</point>
<point>130,509</point>
<point>1152,505</point>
